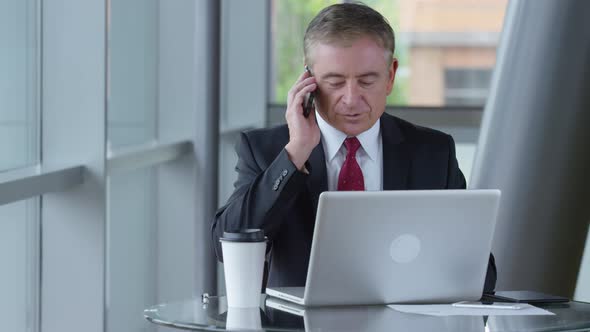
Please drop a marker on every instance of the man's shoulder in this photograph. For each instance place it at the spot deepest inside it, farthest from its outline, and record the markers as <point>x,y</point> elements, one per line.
<point>268,138</point>
<point>279,131</point>
<point>413,133</point>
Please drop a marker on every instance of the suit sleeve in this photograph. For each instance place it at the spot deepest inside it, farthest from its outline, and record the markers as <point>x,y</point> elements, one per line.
<point>456,180</point>
<point>260,197</point>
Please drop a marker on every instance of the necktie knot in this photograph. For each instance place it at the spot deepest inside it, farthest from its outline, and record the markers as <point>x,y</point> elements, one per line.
<point>352,145</point>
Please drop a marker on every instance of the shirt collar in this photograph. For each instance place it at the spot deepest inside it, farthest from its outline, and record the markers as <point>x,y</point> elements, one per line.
<point>333,138</point>
<point>370,140</point>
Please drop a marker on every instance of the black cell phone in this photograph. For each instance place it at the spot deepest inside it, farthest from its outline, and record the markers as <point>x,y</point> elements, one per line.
<point>309,99</point>
<point>524,297</point>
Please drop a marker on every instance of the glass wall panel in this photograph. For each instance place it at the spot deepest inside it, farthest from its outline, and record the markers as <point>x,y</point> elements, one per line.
<point>132,251</point>
<point>446,48</point>
<point>19,222</point>
<point>19,276</point>
<point>131,120</point>
<point>133,67</point>
<point>18,83</point>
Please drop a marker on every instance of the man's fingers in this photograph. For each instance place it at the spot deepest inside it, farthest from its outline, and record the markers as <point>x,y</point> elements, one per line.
<point>299,97</point>
<point>298,86</point>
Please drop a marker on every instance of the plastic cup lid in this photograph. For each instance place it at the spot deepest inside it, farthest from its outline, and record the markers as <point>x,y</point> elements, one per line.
<point>244,235</point>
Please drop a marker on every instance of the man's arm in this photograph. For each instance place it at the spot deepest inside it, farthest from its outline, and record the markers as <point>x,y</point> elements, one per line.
<point>456,180</point>
<point>261,196</point>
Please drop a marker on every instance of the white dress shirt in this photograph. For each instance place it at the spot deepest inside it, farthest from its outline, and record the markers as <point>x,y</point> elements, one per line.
<point>369,156</point>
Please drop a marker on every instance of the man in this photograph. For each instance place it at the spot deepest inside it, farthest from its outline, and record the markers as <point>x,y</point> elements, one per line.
<point>348,143</point>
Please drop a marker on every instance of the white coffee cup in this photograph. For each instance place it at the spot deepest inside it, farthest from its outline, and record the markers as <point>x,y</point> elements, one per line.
<point>243,263</point>
<point>243,319</point>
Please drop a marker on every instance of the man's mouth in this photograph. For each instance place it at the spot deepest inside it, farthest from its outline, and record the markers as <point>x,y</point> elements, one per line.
<point>353,116</point>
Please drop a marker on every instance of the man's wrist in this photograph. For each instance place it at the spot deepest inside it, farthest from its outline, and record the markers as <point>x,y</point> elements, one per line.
<point>298,156</point>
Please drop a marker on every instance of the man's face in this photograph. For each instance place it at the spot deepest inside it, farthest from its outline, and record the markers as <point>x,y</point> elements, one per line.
<point>353,83</point>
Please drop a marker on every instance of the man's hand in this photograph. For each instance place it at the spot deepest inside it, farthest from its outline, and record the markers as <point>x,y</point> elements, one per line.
<point>304,133</point>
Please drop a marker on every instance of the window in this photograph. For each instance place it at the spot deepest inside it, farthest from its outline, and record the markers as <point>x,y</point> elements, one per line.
<point>432,37</point>
<point>132,72</point>
<point>19,82</point>
<point>131,117</point>
<point>19,221</point>
<point>19,238</point>
<point>466,87</point>
<point>119,87</point>
<point>151,111</point>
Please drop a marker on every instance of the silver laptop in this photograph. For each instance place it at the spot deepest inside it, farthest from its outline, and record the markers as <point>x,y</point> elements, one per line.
<point>423,246</point>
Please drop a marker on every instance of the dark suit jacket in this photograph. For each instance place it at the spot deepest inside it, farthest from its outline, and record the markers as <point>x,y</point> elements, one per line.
<point>271,194</point>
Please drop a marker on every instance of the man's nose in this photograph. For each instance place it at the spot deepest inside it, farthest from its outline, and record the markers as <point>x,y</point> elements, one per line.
<point>351,94</point>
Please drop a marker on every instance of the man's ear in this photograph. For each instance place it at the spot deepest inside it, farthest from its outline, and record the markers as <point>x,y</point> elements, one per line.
<point>307,66</point>
<point>391,74</point>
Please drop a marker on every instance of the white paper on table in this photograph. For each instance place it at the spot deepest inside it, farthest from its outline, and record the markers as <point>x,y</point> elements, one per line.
<point>449,310</point>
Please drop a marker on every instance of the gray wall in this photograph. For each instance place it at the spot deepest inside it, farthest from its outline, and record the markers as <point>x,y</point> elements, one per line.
<point>534,144</point>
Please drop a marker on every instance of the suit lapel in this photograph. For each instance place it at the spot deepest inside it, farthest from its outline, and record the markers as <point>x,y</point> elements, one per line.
<point>396,157</point>
<point>318,179</point>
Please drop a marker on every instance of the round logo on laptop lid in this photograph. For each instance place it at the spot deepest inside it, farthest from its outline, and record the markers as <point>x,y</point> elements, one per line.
<point>405,248</point>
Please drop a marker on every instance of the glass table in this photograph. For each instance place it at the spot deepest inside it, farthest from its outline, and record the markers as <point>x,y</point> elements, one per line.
<point>211,314</point>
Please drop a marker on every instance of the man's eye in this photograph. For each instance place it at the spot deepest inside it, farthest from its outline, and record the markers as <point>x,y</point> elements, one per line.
<point>366,83</point>
<point>335,84</point>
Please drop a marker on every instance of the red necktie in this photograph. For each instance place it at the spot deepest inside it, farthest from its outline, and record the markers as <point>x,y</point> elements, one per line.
<point>351,175</point>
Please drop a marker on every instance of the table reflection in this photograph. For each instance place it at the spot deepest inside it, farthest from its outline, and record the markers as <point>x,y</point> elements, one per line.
<point>369,318</point>
<point>213,315</point>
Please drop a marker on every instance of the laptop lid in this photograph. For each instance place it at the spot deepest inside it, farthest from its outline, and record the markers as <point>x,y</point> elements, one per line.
<point>426,246</point>
<point>291,294</point>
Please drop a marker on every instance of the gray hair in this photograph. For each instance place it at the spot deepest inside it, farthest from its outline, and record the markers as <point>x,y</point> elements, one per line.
<point>343,23</point>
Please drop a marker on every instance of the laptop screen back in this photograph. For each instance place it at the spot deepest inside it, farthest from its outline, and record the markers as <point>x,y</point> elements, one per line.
<point>429,246</point>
